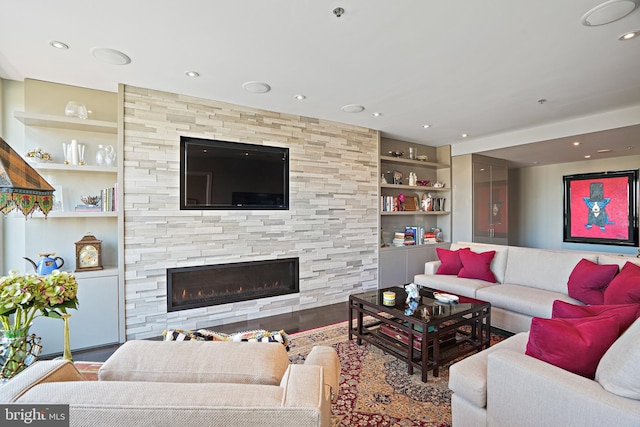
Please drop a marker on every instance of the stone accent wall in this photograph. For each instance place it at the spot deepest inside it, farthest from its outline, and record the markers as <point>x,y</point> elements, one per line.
<point>332,224</point>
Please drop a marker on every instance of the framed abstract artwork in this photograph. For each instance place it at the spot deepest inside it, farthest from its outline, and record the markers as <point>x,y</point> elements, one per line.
<point>601,208</point>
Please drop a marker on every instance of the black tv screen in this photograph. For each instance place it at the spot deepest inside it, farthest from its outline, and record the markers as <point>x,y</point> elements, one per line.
<point>230,175</point>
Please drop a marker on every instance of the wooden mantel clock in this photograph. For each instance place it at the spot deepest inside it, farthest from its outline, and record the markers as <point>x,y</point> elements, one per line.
<point>88,253</point>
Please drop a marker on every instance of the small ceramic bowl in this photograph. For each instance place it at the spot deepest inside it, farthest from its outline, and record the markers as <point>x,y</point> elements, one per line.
<point>90,200</point>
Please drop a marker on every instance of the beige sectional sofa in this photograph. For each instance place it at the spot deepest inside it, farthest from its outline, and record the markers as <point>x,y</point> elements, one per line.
<point>528,281</point>
<point>188,383</point>
<point>504,387</point>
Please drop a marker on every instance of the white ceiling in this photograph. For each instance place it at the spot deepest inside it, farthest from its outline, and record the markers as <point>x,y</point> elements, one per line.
<point>475,67</point>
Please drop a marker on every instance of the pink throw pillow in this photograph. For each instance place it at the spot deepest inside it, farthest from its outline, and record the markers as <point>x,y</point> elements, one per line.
<point>588,281</point>
<point>477,265</point>
<point>625,287</point>
<point>576,345</point>
<point>627,313</point>
<point>450,260</point>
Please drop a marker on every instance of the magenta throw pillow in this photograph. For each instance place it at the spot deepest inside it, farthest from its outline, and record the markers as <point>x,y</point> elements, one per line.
<point>625,287</point>
<point>588,281</point>
<point>450,260</point>
<point>627,313</point>
<point>477,265</point>
<point>576,345</point>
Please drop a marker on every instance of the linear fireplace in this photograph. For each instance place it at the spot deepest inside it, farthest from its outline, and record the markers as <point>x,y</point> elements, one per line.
<point>208,285</point>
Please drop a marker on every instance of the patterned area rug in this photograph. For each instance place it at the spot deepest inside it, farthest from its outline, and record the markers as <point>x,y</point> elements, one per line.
<point>375,389</point>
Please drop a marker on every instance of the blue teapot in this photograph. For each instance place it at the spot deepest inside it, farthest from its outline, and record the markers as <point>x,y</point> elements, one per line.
<point>46,264</point>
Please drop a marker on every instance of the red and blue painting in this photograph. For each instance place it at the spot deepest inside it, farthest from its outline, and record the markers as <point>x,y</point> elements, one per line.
<point>601,208</point>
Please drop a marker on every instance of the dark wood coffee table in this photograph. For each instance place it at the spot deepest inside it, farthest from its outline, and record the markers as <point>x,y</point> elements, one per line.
<point>433,335</point>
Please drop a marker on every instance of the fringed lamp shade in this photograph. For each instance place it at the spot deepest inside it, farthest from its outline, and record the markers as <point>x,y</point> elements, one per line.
<point>21,187</point>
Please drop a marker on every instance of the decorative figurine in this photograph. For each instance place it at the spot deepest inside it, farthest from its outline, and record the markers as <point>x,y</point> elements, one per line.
<point>413,179</point>
<point>412,292</point>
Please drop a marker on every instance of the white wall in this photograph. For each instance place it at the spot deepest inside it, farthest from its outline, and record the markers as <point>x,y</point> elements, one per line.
<point>13,242</point>
<point>540,204</point>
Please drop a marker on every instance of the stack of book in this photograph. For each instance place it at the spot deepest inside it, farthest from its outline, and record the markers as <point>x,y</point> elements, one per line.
<point>109,197</point>
<point>388,203</point>
<point>88,208</point>
<point>430,237</point>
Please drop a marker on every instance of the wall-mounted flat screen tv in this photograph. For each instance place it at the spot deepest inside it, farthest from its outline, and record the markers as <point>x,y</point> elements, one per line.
<point>218,174</point>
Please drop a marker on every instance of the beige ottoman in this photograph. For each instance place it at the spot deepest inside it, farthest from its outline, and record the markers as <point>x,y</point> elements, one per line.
<point>197,362</point>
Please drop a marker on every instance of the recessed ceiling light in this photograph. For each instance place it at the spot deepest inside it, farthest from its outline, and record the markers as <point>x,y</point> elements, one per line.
<point>426,126</point>
<point>300,97</point>
<point>630,35</point>
<point>577,143</point>
<point>608,12</point>
<point>605,150</point>
<point>110,56</point>
<point>352,108</point>
<point>256,87</point>
<point>464,135</point>
<point>588,156</point>
<point>376,114</point>
<point>192,73</point>
<point>58,45</point>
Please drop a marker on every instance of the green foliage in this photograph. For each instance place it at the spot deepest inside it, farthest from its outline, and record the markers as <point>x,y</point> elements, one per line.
<point>25,297</point>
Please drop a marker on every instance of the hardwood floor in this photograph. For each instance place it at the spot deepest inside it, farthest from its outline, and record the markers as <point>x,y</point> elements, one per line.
<point>290,322</point>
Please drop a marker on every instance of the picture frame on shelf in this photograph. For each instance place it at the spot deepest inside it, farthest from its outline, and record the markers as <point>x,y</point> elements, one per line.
<point>601,208</point>
<point>411,203</point>
<point>397,177</point>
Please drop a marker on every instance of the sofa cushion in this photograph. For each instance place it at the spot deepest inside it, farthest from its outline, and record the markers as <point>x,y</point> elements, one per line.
<point>477,265</point>
<point>627,313</point>
<point>450,261</point>
<point>196,362</point>
<point>532,302</point>
<point>576,345</point>
<point>620,260</point>
<point>618,371</point>
<point>541,268</point>
<point>625,287</point>
<point>451,284</point>
<point>588,281</point>
<point>499,263</point>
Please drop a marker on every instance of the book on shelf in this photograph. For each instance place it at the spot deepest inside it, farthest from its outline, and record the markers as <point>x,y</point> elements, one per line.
<point>109,197</point>
<point>88,208</point>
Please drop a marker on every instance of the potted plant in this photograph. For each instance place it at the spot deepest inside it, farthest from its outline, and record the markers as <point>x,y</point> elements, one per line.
<point>23,298</point>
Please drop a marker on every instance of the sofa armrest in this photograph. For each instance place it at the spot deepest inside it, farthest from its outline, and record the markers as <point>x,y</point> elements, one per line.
<point>430,267</point>
<point>304,388</point>
<point>326,357</point>
<point>525,391</point>
<point>40,372</point>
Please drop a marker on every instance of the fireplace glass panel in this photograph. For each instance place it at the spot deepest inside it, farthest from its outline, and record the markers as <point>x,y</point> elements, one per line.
<point>203,286</point>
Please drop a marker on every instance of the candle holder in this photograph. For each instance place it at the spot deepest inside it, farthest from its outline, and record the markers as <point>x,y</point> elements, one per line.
<point>81,154</point>
<point>65,150</point>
